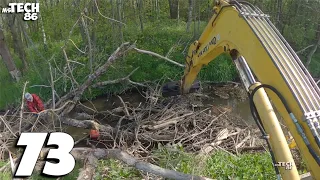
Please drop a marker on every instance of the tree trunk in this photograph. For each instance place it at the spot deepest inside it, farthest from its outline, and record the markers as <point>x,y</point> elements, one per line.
<point>173,6</point>
<point>42,30</point>
<point>94,28</point>
<point>314,48</point>
<point>190,9</point>
<point>279,15</point>
<point>199,16</point>
<point>140,14</point>
<point>76,3</point>
<point>194,18</point>
<point>90,54</point>
<point>114,42</point>
<point>17,42</point>
<point>157,9</point>
<point>7,59</point>
<point>134,7</point>
<point>23,31</point>
<point>120,19</point>
<point>178,12</point>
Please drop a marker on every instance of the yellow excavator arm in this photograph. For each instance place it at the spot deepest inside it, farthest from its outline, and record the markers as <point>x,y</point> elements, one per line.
<point>271,72</point>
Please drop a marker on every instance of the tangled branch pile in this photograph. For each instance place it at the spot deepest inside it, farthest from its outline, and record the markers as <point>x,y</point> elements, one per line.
<point>177,121</point>
<point>173,121</point>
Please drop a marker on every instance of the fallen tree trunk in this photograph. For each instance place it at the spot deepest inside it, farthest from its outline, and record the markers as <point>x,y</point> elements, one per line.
<point>90,157</point>
<point>89,168</point>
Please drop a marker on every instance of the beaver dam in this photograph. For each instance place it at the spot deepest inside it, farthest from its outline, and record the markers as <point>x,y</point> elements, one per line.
<point>193,121</point>
<point>217,118</point>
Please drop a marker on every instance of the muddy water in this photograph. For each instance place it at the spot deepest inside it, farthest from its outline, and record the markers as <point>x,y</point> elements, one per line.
<point>104,103</point>
<point>238,107</point>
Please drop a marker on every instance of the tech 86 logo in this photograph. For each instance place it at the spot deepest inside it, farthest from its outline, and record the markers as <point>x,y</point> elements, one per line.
<point>30,10</point>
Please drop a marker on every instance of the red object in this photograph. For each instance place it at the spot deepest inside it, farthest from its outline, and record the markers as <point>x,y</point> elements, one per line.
<point>36,105</point>
<point>94,134</point>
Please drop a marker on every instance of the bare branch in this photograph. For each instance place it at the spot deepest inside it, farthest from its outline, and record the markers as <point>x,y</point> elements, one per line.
<point>6,124</point>
<point>22,105</point>
<point>87,17</point>
<point>127,78</point>
<point>125,106</point>
<point>89,43</point>
<point>106,16</point>
<point>83,52</point>
<point>159,56</point>
<point>68,65</point>
<point>302,50</point>
<point>76,62</point>
<point>40,86</point>
<point>52,88</point>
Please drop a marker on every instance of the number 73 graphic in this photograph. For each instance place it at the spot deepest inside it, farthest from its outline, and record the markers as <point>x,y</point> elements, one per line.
<point>33,143</point>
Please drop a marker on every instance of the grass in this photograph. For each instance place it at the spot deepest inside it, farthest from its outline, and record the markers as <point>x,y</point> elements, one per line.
<point>114,169</point>
<point>219,165</point>
<point>71,176</point>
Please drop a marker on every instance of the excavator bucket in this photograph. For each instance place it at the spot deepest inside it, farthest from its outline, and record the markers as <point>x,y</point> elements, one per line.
<point>174,88</point>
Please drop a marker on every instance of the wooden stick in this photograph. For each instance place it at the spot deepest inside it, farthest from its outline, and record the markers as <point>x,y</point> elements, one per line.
<point>127,78</point>
<point>159,56</point>
<point>125,106</point>
<point>243,141</point>
<point>52,88</point>
<point>22,105</point>
<point>7,125</point>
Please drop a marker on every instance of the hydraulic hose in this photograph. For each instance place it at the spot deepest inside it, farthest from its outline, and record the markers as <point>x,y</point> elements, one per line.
<point>265,136</point>
<point>298,126</point>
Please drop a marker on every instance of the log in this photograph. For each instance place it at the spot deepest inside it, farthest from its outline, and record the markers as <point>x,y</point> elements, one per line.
<point>90,156</point>
<point>253,148</point>
<point>89,168</point>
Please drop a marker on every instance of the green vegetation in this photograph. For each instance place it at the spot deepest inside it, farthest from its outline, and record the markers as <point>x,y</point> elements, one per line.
<point>71,176</point>
<point>162,33</point>
<point>219,165</point>
<point>150,68</point>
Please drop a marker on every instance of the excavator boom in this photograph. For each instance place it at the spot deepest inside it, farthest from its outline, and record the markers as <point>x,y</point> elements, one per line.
<point>271,72</point>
